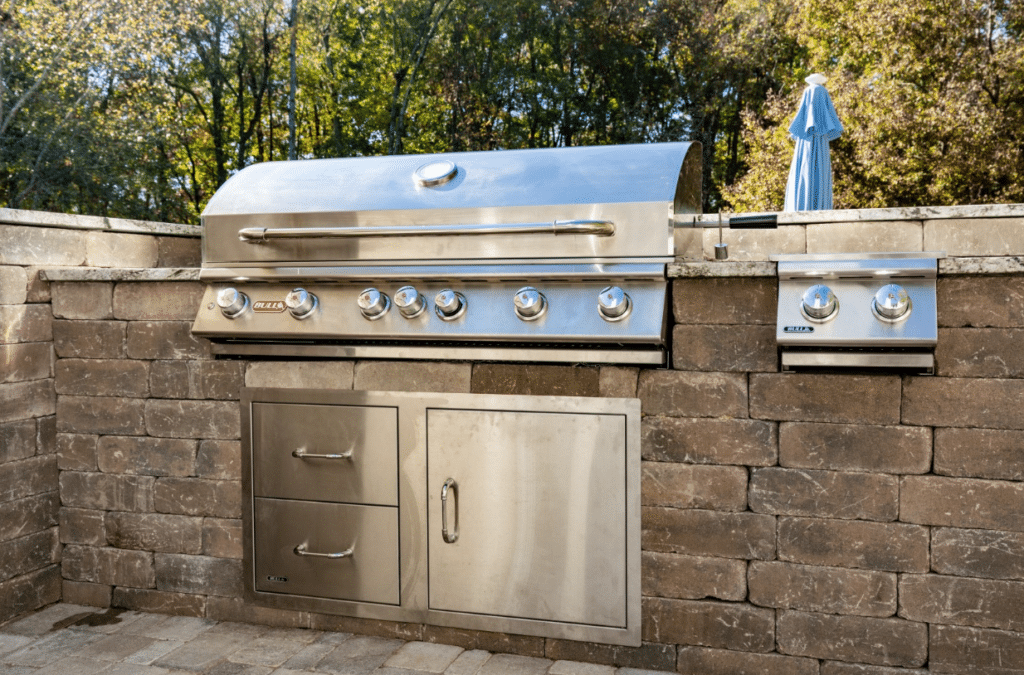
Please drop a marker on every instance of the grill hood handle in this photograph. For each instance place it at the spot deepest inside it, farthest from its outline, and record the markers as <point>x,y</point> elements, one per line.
<point>259,235</point>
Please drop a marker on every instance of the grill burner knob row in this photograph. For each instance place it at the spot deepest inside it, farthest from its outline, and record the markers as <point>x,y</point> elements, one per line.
<point>373,304</point>
<point>301,303</point>
<point>410,302</point>
<point>449,305</point>
<point>232,302</point>
<point>891,302</point>
<point>613,304</point>
<point>819,303</point>
<point>530,303</point>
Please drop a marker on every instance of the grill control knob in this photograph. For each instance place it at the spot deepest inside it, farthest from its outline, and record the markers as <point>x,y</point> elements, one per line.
<point>300,303</point>
<point>232,302</point>
<point>530,303</point>
<point>449,305</point>
<point>409,302</point>
<point>613,304</point>
<point>891,302</point>
<point>819,303</point>
<point>373,304</point>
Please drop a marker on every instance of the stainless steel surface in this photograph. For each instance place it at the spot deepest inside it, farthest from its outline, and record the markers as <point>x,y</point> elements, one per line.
<point>542,520</point>
<point>372,304</point>
<point>457,352</point>
<point>296,448</point>
<point>300,303</point>
<point>232,303</point>
<point>303,550</point>
<point>891,303</point>
<point>259,235</point>
<point>452,271</point>
<point>889,360</point>
<point>418,495</point>
<point>449,305</point>
<point>450,486</point>
<point>819,303</point>
<point>530,304</point>
<point>613,303</point>
<point>410,302</point>
<point>370,574</point>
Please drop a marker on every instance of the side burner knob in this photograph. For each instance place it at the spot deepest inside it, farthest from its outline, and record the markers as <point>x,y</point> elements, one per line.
<point>819,303</point>
<point>891,302</point>
<point>301,303</point>
<point>232,302</point>
<point>613,304</point>
<point>530,303</point>
<point>409,302</point>
<point>449,305</point>
<point>373,304</point>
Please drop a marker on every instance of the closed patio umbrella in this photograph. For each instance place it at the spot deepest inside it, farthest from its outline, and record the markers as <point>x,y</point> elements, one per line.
<point>810,175</point>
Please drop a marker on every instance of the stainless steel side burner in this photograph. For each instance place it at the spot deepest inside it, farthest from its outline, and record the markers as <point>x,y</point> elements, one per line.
<point>858,310</point>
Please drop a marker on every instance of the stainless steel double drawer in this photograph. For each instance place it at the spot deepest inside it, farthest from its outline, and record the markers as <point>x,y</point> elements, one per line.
<point>502,513</point>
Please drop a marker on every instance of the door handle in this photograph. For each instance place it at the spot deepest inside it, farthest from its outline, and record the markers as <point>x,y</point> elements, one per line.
<point>453,536</point>
<point>303,550</point>
<point>302,454</point>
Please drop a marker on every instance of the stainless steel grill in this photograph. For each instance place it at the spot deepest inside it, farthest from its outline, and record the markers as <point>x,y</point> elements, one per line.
<point>530,255</point>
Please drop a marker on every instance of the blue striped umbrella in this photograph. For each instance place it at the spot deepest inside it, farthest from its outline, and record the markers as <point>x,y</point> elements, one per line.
<point>810,175</point>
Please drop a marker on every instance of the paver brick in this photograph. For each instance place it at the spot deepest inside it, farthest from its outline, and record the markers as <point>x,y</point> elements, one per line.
<point>28,515</point>
<point>813,397</point>
<point>979,453</point>
<point>984,603</point>
<point>109,566</point>
<point>967,651</point>
<point>855,447</point>
<point>90,339</point>
<point>709,624</point>
<point>962,502</point>
<point>725,300</point>
<point>886,642</point>
<point>693,394</point>
<point>831,590</point>
<point>157,532</point>
<point>688,577</point>
<point>709,441</point>
<point>963,402</point>
<point>424,657</point>
<point>828,494</point>
<point>708,533</point>
<point>501,378</point>
<point>737,349</point>
<point>724,662</point>
<point>722,488</point>
<point>102,377</point>
<point>82,300</point>
<point>885,547</point>
<point>107,492</point>
<point>990,554</point>
<point>142,455</point>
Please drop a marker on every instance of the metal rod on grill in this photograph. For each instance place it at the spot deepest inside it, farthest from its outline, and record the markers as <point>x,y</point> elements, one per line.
<point>599,228</point>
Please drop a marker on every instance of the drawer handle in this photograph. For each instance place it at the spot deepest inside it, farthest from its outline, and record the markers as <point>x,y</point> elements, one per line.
<point>453,536</point>
<point>302,454</point>
<point>301,549</point>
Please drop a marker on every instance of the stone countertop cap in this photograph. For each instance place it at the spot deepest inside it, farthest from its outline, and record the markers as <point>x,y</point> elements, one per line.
<point>119,274</point>
<point>947,267</point>
<point>70,221</point>
<point>855,215</point>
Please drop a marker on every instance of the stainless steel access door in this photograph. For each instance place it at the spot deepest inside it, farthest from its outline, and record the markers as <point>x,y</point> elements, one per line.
<point>527,515</point>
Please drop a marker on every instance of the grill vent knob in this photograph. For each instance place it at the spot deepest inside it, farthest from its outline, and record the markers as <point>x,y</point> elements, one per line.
<point>232,302</point>
<point>409,302</point>
<point>819,303</point>
<point>530,303</point>
<point>449,305</point>
<point>613,304</point>
<point>300,303</point>
<point>891,302</point>
<point>373,304</point>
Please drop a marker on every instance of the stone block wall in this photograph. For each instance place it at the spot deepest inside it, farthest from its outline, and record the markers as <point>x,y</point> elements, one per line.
<point>792,523</point>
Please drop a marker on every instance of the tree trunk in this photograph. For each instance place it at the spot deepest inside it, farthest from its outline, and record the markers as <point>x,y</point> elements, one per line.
<point>293,25</point>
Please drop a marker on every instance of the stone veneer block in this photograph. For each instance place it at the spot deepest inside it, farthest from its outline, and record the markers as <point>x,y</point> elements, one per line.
<point>963,402</point>
<point>222,538</point>
<point>723,662</point>
<point>962,502</point>
<point>159,532</point>
<point>831,590</point>
<point>22,400</point>
<point>300,374</point>
<point>980,453</point>
<point>85,593</point>
<point>199,497</point>
<point>689,486</point>
<point>17,440</point>
<point>220,380</point>
<point>884,547</point>
<point>824,494</point>
<point>855,447</point>
<point>77,452</point>
<point>725,300</point>
<point>886,642</point>
<point>101,415</point>
<point>13,285</point>
<point>102,377</point>
<point>153,340</point>
<point>119,249</point>
<point>990,554</point>
<point>54,247</point>
<point>969,651</point>
<point>198,574</point>
<point>708,533</point>
<point>146,456</point>
<point>193,419</point>
<point>975,236</point>
<point>179,252</point>
<point>725,348</point>
<point>868,236</point>
<point>219,460</point>
<point>26,554</point>
<point>693,394</point>
<point>709,441</point>
<point>983,603</point>
<point>617,382</point>
<point>648,656</point>
<point>26,362</point>
<point>110,566</point>
<point>83,526</point>
<point>46,435</point>
<point>38,289</point>
<point>530,379</point>
<point>147,600</point>
<point>424,657</point>
<point>467,639</point>
<point>25,323</point>
<point>90,339</point>
<point>709,624</point>
<point>157,301</point>
<point>83,300</point>
<point>106,492</point>
<point>27,477</point>
<point>980,352</point>
<point>980,301</point>
<point>169,379</point>
<point>220,608</point>
<point>756,244</point>
<point>29,514</point>
<point>30,591</point>
<point>807,397</point>
<point>687,577</point>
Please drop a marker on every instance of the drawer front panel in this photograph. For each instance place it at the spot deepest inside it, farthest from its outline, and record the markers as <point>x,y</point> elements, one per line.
<point>357,448</point>
<point>370,573</point>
